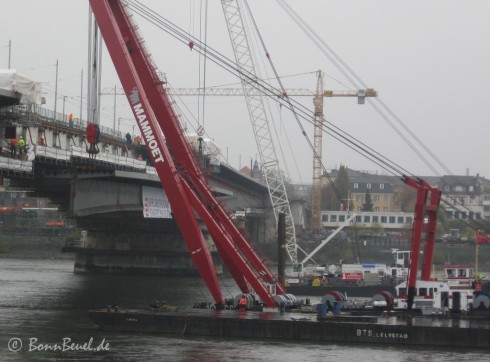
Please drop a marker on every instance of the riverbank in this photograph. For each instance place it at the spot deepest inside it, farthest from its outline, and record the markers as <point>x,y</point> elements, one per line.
<point>444,253</point>
<point>49,246</point>
<point>22,246</point>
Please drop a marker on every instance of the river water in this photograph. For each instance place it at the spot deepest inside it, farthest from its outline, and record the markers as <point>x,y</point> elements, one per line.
<point>43,317</point>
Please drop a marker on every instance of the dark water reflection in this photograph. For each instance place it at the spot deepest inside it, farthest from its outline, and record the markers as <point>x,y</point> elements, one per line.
<point>43,299</point>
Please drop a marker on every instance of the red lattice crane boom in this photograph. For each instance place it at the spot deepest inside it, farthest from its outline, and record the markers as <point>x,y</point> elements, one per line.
<point>179,171</point>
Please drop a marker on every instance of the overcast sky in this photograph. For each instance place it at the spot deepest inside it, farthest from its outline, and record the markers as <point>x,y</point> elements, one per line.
<point>428,60</point>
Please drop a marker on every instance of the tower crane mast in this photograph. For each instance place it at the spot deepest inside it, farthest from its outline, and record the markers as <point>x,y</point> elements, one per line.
<point>317,153</point>
<point>316,222</point>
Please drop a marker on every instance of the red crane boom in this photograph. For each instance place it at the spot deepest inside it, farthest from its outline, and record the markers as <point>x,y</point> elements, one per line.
<point>172,156</point>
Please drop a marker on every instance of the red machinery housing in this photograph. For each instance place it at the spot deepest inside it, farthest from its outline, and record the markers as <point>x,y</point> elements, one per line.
<point>428,200</point>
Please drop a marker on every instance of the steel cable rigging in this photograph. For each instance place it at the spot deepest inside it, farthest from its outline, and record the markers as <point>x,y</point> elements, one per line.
<point>268,90</point>
<point>276,94</point>
<point>327,50</point>
<point>346,70</point>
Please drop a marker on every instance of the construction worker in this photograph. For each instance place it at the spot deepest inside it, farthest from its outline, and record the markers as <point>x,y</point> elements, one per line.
<point>13,147</point>
<point>21,144</point>
<point>242,304</point>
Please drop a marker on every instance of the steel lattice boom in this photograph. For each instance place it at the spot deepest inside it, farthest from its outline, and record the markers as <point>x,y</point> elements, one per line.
<point>258,117</point>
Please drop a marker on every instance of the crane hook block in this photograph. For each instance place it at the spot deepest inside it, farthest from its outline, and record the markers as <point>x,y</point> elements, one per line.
<point>91,133</point>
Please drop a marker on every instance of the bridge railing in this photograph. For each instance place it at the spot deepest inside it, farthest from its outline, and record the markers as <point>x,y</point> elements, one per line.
<point>80,152</point>
<point>41,116</point>
<point>52,152</point>
<point>58,154</point>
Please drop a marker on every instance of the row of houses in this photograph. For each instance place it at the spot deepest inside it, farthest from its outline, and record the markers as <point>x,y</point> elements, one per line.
<point>463,197</point>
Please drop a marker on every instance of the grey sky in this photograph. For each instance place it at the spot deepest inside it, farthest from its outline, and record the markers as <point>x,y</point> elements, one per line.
<point>429,61</point>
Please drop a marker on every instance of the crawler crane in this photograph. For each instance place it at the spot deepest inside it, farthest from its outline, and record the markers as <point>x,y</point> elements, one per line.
<point>179,171</point>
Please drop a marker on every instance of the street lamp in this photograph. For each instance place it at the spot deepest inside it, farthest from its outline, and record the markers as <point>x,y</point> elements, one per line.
<point>64,97</point>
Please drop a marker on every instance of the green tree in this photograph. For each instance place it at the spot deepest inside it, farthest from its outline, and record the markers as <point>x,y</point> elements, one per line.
<point>342,184</point>
<point>337,192</point>
<point>368,202</point>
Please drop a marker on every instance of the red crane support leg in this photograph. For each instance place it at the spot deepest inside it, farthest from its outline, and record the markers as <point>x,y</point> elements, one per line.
<point>111,20</point>
<point>431,211</point>
<point>195,178</point>
<point>240,270</point>
<point>183,154</point>
<point>240,242</point>
<point>417,228</point>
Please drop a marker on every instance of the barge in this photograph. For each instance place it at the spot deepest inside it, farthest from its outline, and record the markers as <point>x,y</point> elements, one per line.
<point>386,329</point>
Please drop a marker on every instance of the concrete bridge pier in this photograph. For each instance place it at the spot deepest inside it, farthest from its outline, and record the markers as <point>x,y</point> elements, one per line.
<point>136,252</point>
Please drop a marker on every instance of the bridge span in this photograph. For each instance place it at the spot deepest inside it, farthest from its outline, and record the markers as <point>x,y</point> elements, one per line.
<point>112,195</point>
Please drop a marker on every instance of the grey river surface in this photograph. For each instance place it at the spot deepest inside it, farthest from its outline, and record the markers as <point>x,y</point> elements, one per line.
<point>43,303</point>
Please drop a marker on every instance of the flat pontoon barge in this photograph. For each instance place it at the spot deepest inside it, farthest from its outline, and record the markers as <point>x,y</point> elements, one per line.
<point>456,331</point>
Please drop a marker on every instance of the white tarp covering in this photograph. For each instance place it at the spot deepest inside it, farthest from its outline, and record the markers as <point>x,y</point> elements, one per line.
<point>13,164</point>
<point>155,203</point>
<point>209,148</point>
<point>30,90</point>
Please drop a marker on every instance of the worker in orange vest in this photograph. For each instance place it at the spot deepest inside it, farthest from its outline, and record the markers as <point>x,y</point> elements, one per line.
<point>242,304</point>
<point>13,147</point>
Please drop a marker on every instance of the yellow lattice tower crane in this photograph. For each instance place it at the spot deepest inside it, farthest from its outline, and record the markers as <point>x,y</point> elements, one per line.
<point>319,119</point>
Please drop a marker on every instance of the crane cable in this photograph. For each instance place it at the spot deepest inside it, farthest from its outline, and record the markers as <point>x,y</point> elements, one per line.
<point>227,64</point>
<point>270,91</point>
<point>335,59</point>
<point>283,90</point>
<point>331,54</point>
<point>252,36</point>
<point>204,56</point>
<point>364,149</point>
